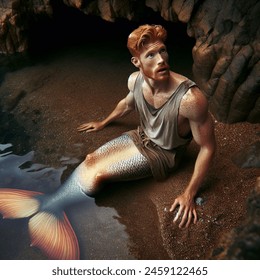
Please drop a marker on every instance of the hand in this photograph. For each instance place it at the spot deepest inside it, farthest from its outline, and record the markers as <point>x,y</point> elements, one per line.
<point>186,210</point>
<point>91,126</point>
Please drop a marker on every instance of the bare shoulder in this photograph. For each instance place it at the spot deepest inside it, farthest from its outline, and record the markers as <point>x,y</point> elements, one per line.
<point>194,105</point>
<point>132,79</point>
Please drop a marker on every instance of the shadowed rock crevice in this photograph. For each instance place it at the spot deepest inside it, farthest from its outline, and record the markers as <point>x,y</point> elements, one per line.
<point>226,53</point>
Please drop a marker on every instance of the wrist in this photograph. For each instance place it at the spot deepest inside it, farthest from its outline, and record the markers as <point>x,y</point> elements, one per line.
<point>103,123</point>
<point>190,193</point>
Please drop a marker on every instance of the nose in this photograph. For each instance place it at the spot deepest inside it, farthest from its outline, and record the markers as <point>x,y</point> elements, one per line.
<point>160,58</point>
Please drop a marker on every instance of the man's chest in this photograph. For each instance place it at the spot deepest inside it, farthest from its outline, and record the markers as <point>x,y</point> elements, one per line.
<point>156,100</point>
<point>161,102</point>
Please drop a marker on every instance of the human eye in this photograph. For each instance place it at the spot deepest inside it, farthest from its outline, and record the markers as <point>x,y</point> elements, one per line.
<point>163,50</point>
<point>150,55</point>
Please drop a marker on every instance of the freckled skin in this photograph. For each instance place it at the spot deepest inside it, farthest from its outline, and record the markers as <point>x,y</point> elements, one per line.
<point>159,83</point>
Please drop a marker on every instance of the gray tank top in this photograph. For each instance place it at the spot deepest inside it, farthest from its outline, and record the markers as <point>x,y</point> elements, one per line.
<point>161,125</point>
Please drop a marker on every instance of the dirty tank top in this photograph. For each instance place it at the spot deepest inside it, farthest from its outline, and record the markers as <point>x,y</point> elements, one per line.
<point>161,125</point>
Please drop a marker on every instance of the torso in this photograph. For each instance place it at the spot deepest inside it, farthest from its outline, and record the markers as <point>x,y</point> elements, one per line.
<point>183,126</point>
<point>158,100</point>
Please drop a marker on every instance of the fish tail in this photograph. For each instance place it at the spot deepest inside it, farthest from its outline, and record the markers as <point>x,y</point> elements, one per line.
<point>16,203</point>
<point>51,233</point>
<point>54,236</point>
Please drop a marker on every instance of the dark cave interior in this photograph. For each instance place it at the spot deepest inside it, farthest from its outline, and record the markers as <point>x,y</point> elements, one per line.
<point>71,27</point>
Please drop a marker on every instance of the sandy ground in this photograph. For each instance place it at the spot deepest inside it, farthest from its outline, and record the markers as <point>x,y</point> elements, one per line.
<point>51,98</point>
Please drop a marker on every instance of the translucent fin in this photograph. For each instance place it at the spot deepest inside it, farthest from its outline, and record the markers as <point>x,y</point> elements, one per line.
<point>55,237</point>
<point>16,203</point>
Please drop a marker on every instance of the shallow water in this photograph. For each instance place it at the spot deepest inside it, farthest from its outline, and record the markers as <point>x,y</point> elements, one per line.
<point>90,220</point>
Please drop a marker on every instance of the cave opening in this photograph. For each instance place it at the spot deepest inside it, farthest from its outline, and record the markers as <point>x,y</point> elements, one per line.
<point>70,27</point>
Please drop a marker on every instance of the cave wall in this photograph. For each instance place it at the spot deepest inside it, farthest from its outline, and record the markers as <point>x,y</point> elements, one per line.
<point>226,54</point>
<point>226,57</point>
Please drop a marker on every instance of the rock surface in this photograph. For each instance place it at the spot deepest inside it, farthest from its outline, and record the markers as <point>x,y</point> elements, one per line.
<point>226,53</point>
<point>16,18</point>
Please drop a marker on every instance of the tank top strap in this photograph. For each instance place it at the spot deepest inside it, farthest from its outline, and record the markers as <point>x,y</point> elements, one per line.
<point>182,90</point>
<point>138,83</point>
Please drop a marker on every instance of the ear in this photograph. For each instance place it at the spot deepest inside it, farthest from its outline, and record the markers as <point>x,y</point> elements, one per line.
<point>135,60</point>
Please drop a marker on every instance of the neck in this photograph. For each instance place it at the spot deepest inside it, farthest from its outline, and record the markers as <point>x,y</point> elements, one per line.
<point>156,86</point>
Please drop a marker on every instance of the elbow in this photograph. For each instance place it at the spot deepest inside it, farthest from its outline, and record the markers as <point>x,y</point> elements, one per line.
<point>209,151</point>
<point>125,112</point>
<point>211,147</point>
<point>124,108</point>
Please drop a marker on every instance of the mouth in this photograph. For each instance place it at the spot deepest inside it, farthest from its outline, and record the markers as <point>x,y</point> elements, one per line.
<point>163,70</point>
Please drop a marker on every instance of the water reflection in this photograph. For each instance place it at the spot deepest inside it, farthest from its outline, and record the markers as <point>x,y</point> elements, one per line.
<point>19,171</point>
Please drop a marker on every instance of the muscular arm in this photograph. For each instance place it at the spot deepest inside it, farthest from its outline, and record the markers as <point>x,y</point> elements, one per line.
<point>195,108</point>
<point>123,107</point>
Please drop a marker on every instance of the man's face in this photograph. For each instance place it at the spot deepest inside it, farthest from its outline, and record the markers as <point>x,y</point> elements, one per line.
<point>153,61</point>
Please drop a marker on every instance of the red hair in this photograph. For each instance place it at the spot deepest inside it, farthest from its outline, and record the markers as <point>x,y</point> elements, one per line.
<point>143,35</point>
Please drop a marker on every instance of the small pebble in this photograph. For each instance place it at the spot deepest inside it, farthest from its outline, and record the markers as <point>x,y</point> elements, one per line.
<point>199,201</point>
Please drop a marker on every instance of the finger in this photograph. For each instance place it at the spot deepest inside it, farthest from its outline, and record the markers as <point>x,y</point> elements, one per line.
<point>79,127</point>
<point>82,127</point>
<point>178,214</point>
<point>91,129</point>
<point>174,205</point>
<point>195,216</point>
<point>85,127</point>
<point>189,219</point>
<point>184,219</point>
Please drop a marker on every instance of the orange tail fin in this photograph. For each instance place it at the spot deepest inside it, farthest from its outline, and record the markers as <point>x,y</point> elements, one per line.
<point>16,203</point>
<point>55,237</point>
<point>51,234</point>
